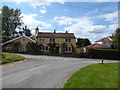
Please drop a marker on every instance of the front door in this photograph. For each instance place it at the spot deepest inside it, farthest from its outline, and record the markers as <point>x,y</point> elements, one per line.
<point>57,50</point>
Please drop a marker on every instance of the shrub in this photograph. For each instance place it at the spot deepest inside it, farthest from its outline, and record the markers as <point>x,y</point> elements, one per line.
<point>104,53</point>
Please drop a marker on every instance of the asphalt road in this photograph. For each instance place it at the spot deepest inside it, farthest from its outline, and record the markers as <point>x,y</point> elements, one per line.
<point>39,71</point>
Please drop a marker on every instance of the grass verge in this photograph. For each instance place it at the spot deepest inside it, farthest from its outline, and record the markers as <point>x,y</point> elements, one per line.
<point>95,76</point>
<point>9,57</point>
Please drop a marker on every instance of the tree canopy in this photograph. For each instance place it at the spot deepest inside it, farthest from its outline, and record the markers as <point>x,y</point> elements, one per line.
<point>82,42</point>
<point>116,39</point>
<point>11,19</point>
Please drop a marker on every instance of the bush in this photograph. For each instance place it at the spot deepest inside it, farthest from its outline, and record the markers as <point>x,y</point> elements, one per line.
<point>9,57</point>
<point>104,53</point>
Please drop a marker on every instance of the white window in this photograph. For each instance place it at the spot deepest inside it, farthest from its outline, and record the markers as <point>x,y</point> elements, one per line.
<point>42,39</point>
<point>45,48</point>
<point>52,40</point>
<point>68,49</point>
<point>67,40</point>
<point>22,48</point>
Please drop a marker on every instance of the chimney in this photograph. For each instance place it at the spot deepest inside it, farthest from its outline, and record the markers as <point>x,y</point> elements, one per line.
<point>36,31</point>
<point>66,32</point>
<point>54,31</point>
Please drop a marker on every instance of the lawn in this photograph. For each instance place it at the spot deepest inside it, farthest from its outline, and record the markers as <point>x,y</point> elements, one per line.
<point>95,76</point>
<point>9,57</point>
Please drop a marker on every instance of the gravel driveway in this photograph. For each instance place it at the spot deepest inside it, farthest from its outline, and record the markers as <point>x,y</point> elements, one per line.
<point>40,71</point>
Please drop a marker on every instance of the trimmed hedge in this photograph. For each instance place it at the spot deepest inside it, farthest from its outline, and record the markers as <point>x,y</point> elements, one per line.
<point>104,53</point>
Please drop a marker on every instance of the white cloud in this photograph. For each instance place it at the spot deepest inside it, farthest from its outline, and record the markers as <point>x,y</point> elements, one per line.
<point>32,22</point>
<point>43,11</point>
<point>113,26</point>
<point>111,17</point>
<point>97,29</point>
<point>83,27</point>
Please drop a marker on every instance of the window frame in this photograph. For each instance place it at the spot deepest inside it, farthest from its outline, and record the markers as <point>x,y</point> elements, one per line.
<point>52,40</point>
<point>41,40</point>
<point>68,40</point>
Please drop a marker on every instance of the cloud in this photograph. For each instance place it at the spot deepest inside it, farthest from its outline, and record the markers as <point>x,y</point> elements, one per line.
<point>83,27</point>
<point>31,21</point>
<point>111,17</point>
<point>97,29</point>
<point>43,11</point>
<point>113,26</point>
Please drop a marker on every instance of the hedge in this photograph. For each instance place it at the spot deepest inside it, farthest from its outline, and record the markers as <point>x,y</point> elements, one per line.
<point>104,53</point>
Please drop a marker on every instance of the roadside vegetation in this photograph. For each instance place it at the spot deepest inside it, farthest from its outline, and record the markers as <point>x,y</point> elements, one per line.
<point>95,76</point>
<point>9,57</point>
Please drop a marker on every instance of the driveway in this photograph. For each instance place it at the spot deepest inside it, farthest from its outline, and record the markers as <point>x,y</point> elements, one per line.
<point>40,71</point>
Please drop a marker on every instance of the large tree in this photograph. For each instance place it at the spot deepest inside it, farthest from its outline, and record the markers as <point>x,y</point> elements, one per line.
<point>82,42</point>
<point>116,39</point>
<point>11,19</point>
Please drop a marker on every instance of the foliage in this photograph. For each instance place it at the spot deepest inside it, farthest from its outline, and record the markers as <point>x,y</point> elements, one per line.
<point>73,49</point>
<point>11,19</point>
<point>6,38</point>
<point>63,47</point>
<point>25,31</point>
<point>15,46</point>
<point>95,76</point>
<point>81,42</point>
<point>9,57</point>
<point>52,47</point>
<point>116,39</point>
<point>103,53</point>
<point>34,47</point>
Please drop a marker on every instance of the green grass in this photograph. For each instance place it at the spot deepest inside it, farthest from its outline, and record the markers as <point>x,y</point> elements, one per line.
<point>9,57</point>
<point>95,76</point>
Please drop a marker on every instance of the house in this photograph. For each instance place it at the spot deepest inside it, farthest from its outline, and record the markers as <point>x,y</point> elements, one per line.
<point>18,44</point>
<point>107,41</point>
<point>104,43</point>
<point>65,42</point>
<point>52,42</point>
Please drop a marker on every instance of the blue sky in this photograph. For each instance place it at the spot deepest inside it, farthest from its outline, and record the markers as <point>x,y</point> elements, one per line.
<point>93,20</point>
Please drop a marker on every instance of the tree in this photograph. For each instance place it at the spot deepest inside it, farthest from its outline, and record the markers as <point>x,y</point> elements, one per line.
<point>116,39</point>
<point>11,19</point>
<point>81,42</point>
<point>63,47</point>
<point>34,47</point>
<point>27,31</point>
<point>52,47</point>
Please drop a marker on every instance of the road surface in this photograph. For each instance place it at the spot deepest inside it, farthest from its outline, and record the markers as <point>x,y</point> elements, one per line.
<point>40,71</point>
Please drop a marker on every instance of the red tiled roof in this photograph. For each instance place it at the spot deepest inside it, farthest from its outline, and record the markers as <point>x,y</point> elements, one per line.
<point>104,39</point>
<point>96,45</point>
<point>56,35</point>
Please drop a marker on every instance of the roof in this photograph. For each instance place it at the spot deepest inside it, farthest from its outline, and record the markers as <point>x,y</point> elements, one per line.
<point>33,37</point>
<point>104,39</point>
<point>96,45</point>
<point>18,38</point>
<point>56,35</point>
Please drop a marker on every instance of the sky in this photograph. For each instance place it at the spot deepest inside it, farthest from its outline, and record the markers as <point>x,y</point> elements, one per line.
<point>89,19</point>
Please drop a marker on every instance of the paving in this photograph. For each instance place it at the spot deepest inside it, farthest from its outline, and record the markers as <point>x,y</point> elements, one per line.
<point>41,71</point>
